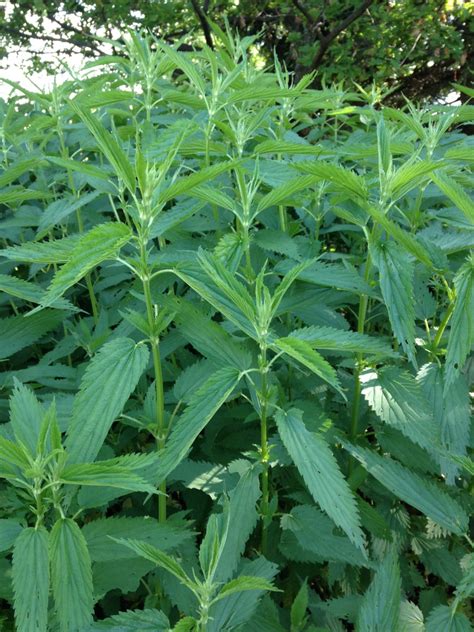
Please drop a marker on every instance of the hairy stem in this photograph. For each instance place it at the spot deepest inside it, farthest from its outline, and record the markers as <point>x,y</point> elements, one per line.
<point>159,395</point>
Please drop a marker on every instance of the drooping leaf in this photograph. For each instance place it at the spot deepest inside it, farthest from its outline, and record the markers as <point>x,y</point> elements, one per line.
<point>10,529</point>
<point>446,619</point>
<point>329,338</point>
<point>320,471</point>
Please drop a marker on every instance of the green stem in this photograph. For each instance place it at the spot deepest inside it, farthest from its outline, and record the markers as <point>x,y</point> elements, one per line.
<point>159,394</point>
<point>360,358</point>
<point>442,327</point>
<point>264,451</point>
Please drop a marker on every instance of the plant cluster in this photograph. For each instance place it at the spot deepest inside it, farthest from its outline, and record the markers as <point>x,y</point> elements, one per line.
<point>236,319</point>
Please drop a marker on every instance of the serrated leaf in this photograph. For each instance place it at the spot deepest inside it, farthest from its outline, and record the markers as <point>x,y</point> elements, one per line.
<point>461,334</point>
<point>31,589</point>
<point>29,292</point>
<point>109,146</point>
<point>412,489</point>
<point>303,352</point>
<point>410,175</point>
<point>18,332</point>
<point>71,576</point>
<point>402,237</point>
<point>312,534</point>
<point>26,414</point>
<point>328,338</point>
<point>158,557</point>
<point>284,192</point>
<point>341,178</point>
<point>10,529</point>
<point>242,583</point>
<point>55,251</point>
<point>380,608</point>
<point>455,193</point>
<point>451,410</point>
<point>320,471</point>
<point>396,283</point>
<point>99,535</point>
<point>104,474</point>
<point>148,620</point>
<point>186,184</point>
<point>445,619</point>
<point>201,408</point>
<point>396,398</point>
<point>242,516</point>
<point>108,382</point>
<point>99,244</point>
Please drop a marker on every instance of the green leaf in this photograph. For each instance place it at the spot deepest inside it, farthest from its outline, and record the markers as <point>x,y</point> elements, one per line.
<point>320,471</point>
<point>148,620</point>
<point>410,175</point>
<point>242,515</point>
<point>309,535</point>
<point>298,608</point>
<point>461,335</point>
<point>397,399</point>
<point>26,414</point>
<point>455,193</point>
<point>31,580</point>
<point>18,332</point>
<point>105,474</point>
<point>331,339</point>
<point>10,529</point>
<point>14,171</point>
<point>55,251</point>
<point>108,382</point>
<point>445,619</point>
<point>303,352</point>
<point>396,283</point>
<point>451,410</point>
<point>412,489</point>
<point>379,611</point>
<point>29,292</point>
<point>81,167</point>
<point>284,192</point>
<point>159,558</point>
<point>100,243</point>
<point>108,145</point>
<point>239,584</point>
<point>99,534</point>
<point>342,179</point>
<point>187,183</point>
<point>201,408</point>
<point>71,576</point>
<point>411,618</point>
<point>402,237</point>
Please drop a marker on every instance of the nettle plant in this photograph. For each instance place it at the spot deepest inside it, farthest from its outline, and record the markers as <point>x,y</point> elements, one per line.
<point>236,319</point>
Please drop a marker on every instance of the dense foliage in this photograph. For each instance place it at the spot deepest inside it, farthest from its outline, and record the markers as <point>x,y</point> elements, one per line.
<point>236,319</point>
<point>416,48</point>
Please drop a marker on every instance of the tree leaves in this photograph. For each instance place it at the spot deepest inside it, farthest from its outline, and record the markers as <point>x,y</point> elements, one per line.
<point>108,382</point>
<point>320,471</point>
